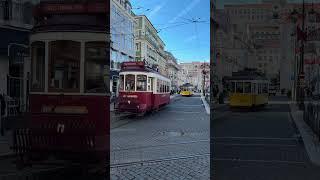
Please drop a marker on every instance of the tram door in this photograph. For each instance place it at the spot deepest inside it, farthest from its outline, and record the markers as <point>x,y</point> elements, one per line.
<point>150,88</point>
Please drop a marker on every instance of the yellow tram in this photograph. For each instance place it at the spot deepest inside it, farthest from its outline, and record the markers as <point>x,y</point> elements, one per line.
<point>186,90</point>
<point>248,89</point>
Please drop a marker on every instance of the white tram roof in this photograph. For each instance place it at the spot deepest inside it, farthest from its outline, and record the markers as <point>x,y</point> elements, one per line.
<point>150,74</point>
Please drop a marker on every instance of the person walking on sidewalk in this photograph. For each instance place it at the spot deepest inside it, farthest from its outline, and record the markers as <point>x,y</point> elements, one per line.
<point>2,113</point>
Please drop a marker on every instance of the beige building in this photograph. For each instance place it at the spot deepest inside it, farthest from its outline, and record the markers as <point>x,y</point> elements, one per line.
<point>193,73</point>
<point>258,38</point>
<point>172,69</point>
<point>149,46</point>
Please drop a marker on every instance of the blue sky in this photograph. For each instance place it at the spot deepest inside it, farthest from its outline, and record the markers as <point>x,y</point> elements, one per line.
<point>187,41</point>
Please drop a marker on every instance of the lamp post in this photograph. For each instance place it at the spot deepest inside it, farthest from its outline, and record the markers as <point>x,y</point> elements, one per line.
<point>302,37</point>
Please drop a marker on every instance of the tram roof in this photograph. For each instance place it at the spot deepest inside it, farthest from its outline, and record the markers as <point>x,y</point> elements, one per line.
<point>247,74</point>
<point>186,85</point>
<point>139,66</point>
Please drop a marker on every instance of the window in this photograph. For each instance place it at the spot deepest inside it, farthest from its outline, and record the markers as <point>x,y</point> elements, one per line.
<point>64,66</point>
<point>158,85</point>
<point>247,87</point>
<point>37,66</point>
<point>130,82</point>
<point>264,88</point>
<point>254,88</point>
<point>150,84</point>
<point>121,83</point>
<point>233,87</point>
<point>239,87</point>
<point>141,83</point>
<point>96,68</point>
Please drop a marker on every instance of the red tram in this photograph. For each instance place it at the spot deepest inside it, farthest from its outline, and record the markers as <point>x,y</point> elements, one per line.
<point>142,88</point>
<point>69,102</point>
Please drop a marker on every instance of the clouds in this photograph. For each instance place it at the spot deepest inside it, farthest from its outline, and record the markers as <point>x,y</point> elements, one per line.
<point>156,10</point>
<point>185,11</point>
<point>191,38</point>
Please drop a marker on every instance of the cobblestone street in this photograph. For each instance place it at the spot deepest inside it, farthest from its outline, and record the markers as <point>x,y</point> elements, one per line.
<point>170,144</point>
<point>262,144</point>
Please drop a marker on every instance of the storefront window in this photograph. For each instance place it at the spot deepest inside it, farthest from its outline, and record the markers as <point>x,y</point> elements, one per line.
<point>64,66</point>
<point>130,82</point>
<point>37,66</point>
<point>97,68</point>
<point>141,83</point>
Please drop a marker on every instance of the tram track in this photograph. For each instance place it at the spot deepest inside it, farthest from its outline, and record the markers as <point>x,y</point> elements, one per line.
<point>158,160</point>
<point>160,145</point>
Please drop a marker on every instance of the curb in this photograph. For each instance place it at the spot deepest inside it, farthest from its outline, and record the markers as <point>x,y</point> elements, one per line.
<point>206,105</point>
<point>311,144</point>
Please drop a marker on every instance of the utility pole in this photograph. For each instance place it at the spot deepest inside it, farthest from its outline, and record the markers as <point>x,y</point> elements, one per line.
<point>301,64</point>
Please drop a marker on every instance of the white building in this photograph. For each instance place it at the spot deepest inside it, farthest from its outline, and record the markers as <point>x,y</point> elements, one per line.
<point>149,46</point>
<point>122,38</point>
<point>15,24</point>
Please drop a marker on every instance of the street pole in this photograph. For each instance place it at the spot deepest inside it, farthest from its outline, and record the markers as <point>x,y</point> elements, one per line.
<point>204,80</point>
<point>301,68</point>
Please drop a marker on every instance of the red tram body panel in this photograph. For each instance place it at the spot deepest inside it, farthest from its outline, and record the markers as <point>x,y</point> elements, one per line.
<point>70,127</point>
<point>147,90</point>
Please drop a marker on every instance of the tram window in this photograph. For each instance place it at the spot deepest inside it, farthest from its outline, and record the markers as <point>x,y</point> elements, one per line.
<point>158,85</point>
<point>130,82</point>
<point>161,86</point>
<point>254,88</point>
<point>239,87</point>
<point>233,87</point>
<point>96,68</point>
<point>150,84</point>
<point>247,87</point>
<point>121,83</point>
<point>37,66</point>
<point>259,88</point>
<point>265,88</point>
<point>64,66</point>
<point>141,83</point>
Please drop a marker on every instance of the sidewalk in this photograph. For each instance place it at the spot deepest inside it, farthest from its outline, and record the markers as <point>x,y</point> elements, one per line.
<point>311,142</point>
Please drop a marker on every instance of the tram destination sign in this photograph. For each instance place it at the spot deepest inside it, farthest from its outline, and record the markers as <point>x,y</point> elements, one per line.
<point>72,8</point>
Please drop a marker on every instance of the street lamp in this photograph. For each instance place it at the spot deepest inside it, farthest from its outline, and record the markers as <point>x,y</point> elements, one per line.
<point>300,89</point>
<point>301,36</point>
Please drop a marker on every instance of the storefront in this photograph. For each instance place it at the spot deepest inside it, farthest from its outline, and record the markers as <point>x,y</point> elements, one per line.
<point>14,63</point>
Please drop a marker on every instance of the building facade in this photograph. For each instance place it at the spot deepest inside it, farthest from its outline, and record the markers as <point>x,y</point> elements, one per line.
<point>149,46</point>
<point>16,22</point>
<point>122,39</point>
<point>172,70</point>
<point>193,73</point>
<point>260,37</point>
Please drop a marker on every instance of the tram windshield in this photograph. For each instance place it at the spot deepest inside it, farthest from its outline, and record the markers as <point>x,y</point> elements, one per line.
<point>141,83</point>
<point>64,66</point>
<point>130,82</point>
